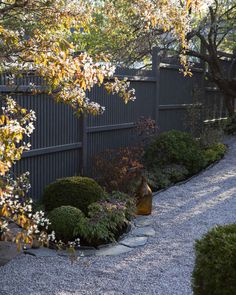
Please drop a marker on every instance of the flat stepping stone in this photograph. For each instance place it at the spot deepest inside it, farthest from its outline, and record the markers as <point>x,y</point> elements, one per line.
<point>146,231</point>
<point>141,222</point>
<point>113,251</point>
<point>8,251</point>
<point>134,242</point>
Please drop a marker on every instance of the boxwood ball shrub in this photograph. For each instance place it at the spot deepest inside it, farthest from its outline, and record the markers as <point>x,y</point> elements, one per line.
<point>64,220</point>
<point>75,191</point>
<point>215,267</point>
<point>175,147</point>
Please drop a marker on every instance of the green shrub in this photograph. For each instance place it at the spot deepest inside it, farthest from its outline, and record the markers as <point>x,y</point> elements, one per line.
<point>175,147</point>
<point>163,177</point>
<point>105,222</point>
<point>76,191</point>
<point>214,153</point>
<point>211,136</point>
<point>124,200</point>
<point>230,126</point>
<point>64,220</point>
<point>215,268</point>
<point>156,179</point>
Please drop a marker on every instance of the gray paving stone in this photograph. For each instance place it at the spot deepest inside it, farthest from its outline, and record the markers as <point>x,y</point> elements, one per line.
<point>134,242</point>
<point>8,251</point>
<point>113,251</point>
<point>146,231</point>
<point>143,221</point>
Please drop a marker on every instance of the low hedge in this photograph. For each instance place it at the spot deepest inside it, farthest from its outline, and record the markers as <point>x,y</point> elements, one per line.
<point>214,153</point>
<point>174,156</point>
<point>215,267</point>
<point>75,191</point>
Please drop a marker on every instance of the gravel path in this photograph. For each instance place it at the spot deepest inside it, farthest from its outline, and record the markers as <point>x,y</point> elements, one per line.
<point>162,267</point>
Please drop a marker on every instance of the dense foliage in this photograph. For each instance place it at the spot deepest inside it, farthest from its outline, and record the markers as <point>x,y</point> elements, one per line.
<point>174,156</point>
<point>118,169</point>
<point>159,178</point>
<point>63,221</point>
<point>125,28</point>
<point>215,268</point>
<point>75,191</point>
<point>214,153</point>
<point>105,221</point>
<point>175,147</point>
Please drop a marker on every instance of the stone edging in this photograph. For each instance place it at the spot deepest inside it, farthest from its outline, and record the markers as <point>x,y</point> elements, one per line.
<point>141,231</point>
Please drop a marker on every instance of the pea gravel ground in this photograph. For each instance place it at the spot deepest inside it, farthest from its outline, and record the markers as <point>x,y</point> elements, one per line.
<point>163,266</point>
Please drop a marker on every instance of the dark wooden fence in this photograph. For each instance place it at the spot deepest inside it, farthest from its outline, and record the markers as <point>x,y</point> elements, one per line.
<point>63,145</point>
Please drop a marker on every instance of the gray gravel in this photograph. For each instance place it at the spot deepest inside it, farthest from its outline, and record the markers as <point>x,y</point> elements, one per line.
<point>162,267</point>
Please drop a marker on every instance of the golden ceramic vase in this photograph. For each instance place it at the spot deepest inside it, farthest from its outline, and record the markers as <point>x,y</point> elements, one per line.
<point>144,198</point>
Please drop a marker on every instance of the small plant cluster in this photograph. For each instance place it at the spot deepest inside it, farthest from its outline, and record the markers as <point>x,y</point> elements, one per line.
<point>215,266</point>
<point>79,207</point>
<point>173,156</point>
<point>120,169</point>
<point>106,220</point>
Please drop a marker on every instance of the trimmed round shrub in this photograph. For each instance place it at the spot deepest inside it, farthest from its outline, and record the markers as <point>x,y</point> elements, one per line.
<point>215,267</point>
<point>75,191</point>
<point>175,147</point>
<point>63,220</point>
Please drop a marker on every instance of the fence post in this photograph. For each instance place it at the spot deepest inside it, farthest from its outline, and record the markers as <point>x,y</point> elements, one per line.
<point>156,73</point>
<point>203,87</point>
<point>84,145</point>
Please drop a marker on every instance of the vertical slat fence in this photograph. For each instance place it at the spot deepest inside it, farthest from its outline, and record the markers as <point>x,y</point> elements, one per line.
<point>63,145</point>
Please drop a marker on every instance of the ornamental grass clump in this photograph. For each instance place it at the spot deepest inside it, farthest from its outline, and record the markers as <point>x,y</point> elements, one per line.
<point>75,191</point>
<point>215,267</point>
<point>106,221</point>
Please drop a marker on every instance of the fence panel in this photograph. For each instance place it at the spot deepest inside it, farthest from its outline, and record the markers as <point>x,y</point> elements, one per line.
<point>177,93</point>
<point>63,145</point>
